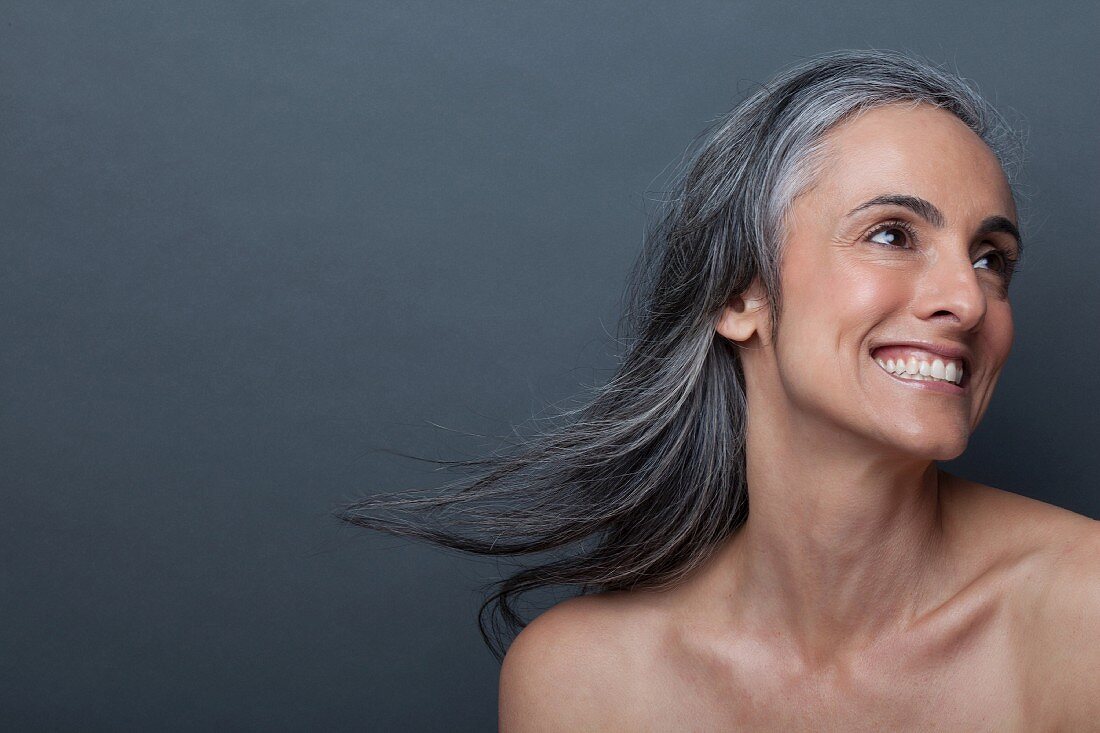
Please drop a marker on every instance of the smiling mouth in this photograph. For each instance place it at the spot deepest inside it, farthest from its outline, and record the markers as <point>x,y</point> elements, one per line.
<point>924,371</point>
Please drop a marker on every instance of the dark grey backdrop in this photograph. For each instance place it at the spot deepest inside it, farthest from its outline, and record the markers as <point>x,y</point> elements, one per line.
<point>243,243</point>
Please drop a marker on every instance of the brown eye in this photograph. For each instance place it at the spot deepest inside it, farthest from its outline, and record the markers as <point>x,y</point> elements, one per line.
<point>1002,264</point>
<point>890,235</point>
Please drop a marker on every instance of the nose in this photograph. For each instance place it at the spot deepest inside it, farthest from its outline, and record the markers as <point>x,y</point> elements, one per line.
<point>950,289</point>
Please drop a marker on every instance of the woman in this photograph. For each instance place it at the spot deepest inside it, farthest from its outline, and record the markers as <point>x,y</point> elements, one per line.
<point>822,315</point>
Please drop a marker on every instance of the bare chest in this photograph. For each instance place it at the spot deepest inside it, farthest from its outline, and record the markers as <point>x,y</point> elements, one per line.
<point>975,687</point>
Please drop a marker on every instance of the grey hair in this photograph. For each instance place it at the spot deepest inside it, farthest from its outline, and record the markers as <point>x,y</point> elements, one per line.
<point>639,485</point>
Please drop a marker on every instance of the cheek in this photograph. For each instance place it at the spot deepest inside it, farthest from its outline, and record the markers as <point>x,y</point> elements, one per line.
<point>998,330</point>
<point>833,314</point>
<point>869,290</point>
<point>850,296</point>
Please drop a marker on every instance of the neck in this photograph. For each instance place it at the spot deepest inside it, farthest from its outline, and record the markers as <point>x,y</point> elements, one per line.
<point>842,544</point>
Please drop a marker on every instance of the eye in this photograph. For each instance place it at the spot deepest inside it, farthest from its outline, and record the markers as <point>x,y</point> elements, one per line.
<point>900,235</point>
<point>892,234</point>
<point>1002,263</point>
<point>996,256</point>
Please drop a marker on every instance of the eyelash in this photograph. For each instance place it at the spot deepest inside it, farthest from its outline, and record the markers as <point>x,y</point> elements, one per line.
<point>1008,263</point>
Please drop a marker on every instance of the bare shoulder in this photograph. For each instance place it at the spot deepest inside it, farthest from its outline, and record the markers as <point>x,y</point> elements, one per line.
<point>1002,525</point>
<point>565,670</point>
<point>1055,554</point>
<point>1066,639</point>
<point>980,501</point>
<point>1045,544</point>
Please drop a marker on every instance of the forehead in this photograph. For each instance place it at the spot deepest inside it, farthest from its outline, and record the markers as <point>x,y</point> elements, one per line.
<point>918,150</point>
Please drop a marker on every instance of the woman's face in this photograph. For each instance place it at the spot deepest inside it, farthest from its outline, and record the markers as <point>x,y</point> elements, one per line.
<point>858,275</point>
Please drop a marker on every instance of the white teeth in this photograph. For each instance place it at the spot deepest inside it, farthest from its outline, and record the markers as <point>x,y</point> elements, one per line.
<point>921,370</point>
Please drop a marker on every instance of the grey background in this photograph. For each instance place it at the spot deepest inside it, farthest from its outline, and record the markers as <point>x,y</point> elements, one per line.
<point>243,244</point>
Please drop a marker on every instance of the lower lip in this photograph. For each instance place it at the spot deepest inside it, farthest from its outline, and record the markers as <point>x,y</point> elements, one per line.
<point>926,384</point>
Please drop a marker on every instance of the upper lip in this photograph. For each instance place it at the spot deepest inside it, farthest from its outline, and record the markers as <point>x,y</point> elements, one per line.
<point>943,348</point>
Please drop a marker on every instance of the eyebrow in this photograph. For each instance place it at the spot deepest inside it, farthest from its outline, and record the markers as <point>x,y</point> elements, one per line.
<point>930,213</point>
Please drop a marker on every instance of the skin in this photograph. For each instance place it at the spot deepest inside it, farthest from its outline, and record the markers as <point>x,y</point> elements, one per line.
<point>868,590</point>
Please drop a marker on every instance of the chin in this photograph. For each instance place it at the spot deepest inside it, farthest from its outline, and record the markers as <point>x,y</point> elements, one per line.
<point>950,453</point>
<point>941,450</point>
<point>945,447</point>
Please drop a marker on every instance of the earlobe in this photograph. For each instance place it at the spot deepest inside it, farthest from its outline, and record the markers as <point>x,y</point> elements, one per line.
<point>745,314</point>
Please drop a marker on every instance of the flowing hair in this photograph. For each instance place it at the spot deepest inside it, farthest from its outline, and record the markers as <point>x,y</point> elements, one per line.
<point>639,485</point>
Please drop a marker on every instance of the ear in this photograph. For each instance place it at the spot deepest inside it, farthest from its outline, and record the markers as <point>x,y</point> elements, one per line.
<point>745,315</point>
